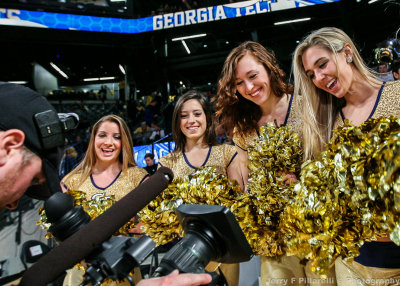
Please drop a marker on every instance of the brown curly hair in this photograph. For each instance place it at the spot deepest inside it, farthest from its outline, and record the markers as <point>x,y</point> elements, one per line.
<point>232,109</point>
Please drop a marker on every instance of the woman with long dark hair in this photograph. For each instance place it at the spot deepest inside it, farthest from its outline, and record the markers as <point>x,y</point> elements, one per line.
<point>196,146</point>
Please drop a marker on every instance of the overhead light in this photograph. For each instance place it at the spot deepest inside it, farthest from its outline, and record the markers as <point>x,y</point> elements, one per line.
<point>227,42</point>
<point>205,45</point>
<point>138,90</point>
<point>297,42</point>
<point>59,70</point>
<point>180,82</point>
<point>19,82</point>
<point>189,37</point>
<point>372,1</point>
<point>292,21</point>
<point>186,47</point>
<point>121,68</point>
<point>117,0</point>
<point>99,78</point>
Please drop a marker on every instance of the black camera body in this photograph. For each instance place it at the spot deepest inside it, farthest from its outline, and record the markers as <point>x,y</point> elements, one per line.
<point>115,258</point>
<point>52,127</point>
<point>212,234</point>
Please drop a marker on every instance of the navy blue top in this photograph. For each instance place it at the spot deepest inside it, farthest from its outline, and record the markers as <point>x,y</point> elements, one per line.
<point>379,254</point>
<point>202,165</point>
<point>373,109</point>
<point>94,184</point>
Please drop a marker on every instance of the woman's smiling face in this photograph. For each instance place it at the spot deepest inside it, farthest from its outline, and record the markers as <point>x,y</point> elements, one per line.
<point>320,65</point>
<point>193,120</point>
<point>252,80</point>
<point>107,142</point>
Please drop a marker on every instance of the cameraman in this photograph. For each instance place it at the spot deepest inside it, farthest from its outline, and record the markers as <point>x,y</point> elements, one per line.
<point>26,167</point>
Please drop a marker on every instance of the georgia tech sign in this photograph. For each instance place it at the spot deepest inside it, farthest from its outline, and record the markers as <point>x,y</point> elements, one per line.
<point>209,14</point>
<point>14,17</point>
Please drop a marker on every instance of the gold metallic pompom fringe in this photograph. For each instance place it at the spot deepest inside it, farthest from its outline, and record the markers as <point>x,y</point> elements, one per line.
<point>276,153</point>
<point>349,195</point>
<point>204,186</point>
<point>257,212</point>
<point>93,207</point>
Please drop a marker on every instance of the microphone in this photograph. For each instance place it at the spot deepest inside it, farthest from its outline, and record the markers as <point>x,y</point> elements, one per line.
<point>83,242</point>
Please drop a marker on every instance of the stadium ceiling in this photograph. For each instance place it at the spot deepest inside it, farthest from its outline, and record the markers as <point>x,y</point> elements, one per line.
<point>153,58</point>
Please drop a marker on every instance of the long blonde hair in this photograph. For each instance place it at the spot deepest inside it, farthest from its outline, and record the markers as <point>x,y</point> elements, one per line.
<point>321,108</point>
<point>84,169</point>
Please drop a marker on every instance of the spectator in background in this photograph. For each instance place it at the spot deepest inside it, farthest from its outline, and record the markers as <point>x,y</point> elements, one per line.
<point>151,168</point>
<point>396,69</point>
<point>80,147</point>
<point>142,134</point>
<point>221,136</point>
<point>152,113</point>
<point>143,128</point>
<point>69,159</point>
<point>167,113</point>
<point>383,72</point>
<point>157,134</point>
<point>103,92</point>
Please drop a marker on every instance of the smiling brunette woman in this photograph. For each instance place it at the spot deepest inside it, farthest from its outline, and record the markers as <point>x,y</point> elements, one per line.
<point>336,84</point>
<point>196,146</point>
<point>253,90</point>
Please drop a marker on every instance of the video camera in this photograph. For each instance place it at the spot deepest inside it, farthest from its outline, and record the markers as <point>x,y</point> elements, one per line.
<point>212,234</point>
<point>52,127</point>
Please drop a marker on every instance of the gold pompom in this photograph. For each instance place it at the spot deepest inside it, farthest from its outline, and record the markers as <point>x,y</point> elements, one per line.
<point>349,195</point>
<point>275,154</point>
<point>93,208</point>
<point>204,186</point>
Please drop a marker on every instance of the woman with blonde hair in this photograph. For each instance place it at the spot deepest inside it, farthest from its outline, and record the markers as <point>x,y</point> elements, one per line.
<point>253,90</point>
<point>108,169</point>
<point>335,84</point>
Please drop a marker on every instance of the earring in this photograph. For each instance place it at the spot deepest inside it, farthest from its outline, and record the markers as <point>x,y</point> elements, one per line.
<point>349,59</point>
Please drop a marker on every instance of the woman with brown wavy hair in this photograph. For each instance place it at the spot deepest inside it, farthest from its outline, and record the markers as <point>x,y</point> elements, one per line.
<point>252,90</point>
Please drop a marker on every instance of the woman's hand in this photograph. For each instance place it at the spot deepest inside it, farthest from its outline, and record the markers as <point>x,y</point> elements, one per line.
<point>176,279</point>
<point>290,178</point>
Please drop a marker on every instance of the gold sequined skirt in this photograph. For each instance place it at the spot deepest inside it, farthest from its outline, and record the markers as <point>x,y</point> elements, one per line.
<point>287,270</point>
<point>356,274</point>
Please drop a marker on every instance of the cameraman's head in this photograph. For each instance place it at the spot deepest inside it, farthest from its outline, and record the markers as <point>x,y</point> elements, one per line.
<point>25,166</point>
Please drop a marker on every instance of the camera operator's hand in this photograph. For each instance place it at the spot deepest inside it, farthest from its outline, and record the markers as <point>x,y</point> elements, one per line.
<point>176,279</point>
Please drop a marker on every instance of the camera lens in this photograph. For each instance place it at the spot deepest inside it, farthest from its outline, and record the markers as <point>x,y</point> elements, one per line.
<point>193,252</point>
<point>65,219</point>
